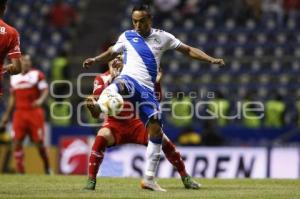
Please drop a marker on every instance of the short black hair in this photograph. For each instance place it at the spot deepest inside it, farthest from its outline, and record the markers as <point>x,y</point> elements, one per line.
<point>142,7</point>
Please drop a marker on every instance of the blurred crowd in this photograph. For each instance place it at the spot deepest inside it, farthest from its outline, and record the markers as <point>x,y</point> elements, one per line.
<point>241,11</point>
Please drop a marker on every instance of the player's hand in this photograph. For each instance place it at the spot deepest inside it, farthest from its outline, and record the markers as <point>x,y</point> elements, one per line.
<point>37,103</point>
<point>117,66</point>
<point>88,62</point>
<point>91,104</point>
<point>217,61</point>
<point>4,70</point>
<point>8,69</point>
<point>159,77</point>
<point>3,121</point>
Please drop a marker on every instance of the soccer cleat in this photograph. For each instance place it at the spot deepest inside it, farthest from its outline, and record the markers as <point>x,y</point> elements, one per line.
<point>151,185</point>
<point>49,172</point>
<point>90,185</point>
<point>189,183</point>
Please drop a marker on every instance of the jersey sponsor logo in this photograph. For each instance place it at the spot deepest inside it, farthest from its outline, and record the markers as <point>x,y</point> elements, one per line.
<point>156,44</point>
<point>2,30</point>
<point>136,40</point>
<point>23,85</point>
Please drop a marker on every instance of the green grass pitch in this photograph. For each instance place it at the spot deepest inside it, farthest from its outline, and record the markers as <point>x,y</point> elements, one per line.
<point>37,186</point>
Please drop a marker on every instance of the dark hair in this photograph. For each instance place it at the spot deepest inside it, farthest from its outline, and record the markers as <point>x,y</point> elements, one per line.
<point>3,3</point>
<point>142,7</point>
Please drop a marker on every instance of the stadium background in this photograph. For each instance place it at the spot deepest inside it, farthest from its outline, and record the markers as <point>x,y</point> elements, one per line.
<point>259,40</point>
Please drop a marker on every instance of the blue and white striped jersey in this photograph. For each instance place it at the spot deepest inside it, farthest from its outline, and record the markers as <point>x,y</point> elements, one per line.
<point>142,55</point>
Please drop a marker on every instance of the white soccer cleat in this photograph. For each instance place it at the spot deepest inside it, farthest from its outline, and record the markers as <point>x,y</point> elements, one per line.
<point>151,185</point>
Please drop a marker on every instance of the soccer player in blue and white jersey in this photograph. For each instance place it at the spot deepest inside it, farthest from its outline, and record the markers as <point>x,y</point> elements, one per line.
<point>143,48</point>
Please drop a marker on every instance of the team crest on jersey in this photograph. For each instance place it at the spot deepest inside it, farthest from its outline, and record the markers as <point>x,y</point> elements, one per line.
<point>135,40</point>
<point>157,40</point>
<point>96,83</point>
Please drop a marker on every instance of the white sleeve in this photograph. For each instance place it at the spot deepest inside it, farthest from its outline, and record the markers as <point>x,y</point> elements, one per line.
<point>171,41</point>
<point>42,85</point>
<point>120,45</point>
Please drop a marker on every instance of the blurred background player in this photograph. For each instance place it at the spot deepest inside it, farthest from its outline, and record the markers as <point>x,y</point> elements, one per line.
<point>9,46</point>
<point>124,131</point>
<point>29,90</point>
<point>144,47</point>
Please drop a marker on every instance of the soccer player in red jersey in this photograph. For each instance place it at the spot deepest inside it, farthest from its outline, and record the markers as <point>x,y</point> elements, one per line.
<point>9,46</point>
<point>117,131</point>
<point>29,90</point>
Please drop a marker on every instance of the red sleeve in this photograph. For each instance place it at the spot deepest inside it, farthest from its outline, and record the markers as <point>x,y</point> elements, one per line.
<point>41,76</point>
<point>98,86</point>
<point>158,91</point>
<point>14,47</point>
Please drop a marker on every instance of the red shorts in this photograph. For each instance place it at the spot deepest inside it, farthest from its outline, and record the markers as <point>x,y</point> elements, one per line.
<point>29,122</point>
<point>127,131</point>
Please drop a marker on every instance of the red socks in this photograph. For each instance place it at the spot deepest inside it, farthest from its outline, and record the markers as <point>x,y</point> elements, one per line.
<point>174,157</point>
<point>96,156</point>
<point>19,158</point>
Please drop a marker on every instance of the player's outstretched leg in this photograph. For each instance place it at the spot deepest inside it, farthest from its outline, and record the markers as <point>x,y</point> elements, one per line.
<point>175,159</point>
<point>152,156</point>
<point>19,157</point>
<point>95,160</point>
<point>102,140</point>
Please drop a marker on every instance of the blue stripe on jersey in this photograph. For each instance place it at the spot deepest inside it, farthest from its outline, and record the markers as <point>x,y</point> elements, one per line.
<point>144,52</point>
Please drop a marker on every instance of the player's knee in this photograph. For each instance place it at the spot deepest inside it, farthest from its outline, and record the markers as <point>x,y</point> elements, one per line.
<point>154,128</point>
<point>106,133</point>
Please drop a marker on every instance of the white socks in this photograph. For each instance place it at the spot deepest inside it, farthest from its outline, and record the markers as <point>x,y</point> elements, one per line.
<point>152,159</point>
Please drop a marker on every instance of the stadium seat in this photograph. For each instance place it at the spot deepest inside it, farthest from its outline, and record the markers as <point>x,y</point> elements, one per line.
<point>230,24</point>
<point>188,24</point>
<point>168,24</point>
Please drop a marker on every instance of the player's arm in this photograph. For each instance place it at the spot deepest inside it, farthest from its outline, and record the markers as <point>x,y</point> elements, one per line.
<point>14,67</point>
<point>159,76</point>
<point>102,58</point>
<point>92,106</point>
<point>14,55</point>
<point>8,111</point>
<point>198,54</point>
<point>91,101</point>
<point>44,91</point>
<point>42,98</point>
